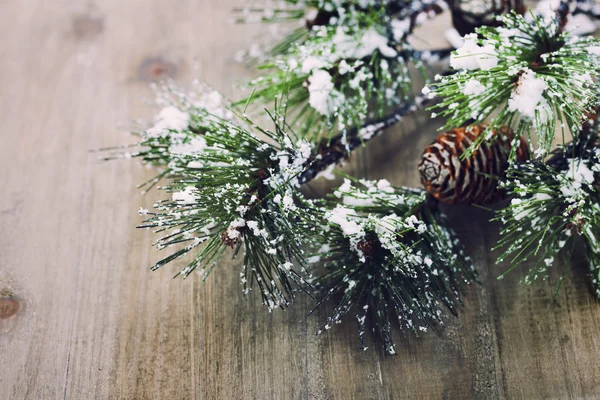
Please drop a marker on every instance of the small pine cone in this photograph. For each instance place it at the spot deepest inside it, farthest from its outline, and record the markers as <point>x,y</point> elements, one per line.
<point>473,180</point>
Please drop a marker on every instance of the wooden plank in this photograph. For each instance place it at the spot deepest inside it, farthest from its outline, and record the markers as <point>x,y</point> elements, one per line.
<point>93,322</point>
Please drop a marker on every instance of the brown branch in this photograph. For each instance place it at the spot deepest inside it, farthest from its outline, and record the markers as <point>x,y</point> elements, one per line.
<point>339,147</point>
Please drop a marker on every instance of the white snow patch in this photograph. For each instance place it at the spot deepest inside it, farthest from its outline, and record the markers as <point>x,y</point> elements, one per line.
<point>472,56</point>
<point>187,196</point>
<point>319,88</point>
<point>528,94</point>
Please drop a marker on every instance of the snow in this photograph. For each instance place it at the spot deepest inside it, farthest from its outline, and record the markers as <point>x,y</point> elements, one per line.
<point>400,28</point>
<point>169,118</point>
<point>288,266</point>
<point>373,40</point>
<point>351,285</point>
<point>344,67</point>
<point>187,196</point>
<point>344,188</point>
<point>238,223</point>
<point>288,202</point>
<point>327,173</point>
<point>595,50</point>
<point>385,186</point>
<point>253,226</point>
<point>194,146</point>
<point>473,87</point>
<point>242,209</point>
<point>454,38</point>
<point>319,88</point>
<point>233,233</point>
<point>313,259</point>
<point>472,56</point>
<point>339,216</point>
<point>487,58</point>
<point>580,174</point>
<point>358,200</point>
<point>304,150</point>
<point>528,94</point>
<point>542,196</point>
<point>547,9</point>
<point>312,63</point>
<point>195,164</point>
<point>347,46</point>
<point>325,248</point>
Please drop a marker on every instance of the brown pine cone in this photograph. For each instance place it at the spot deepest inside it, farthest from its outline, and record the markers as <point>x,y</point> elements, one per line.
<point>473,180</point>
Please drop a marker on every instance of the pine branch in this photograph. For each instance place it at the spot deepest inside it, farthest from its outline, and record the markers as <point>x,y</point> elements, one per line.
<point>526,76</point>
<point>346,66</point>
<point>340,146</point>
<point>240,192</point>
<point>554,204</point>
<point>387,255</point>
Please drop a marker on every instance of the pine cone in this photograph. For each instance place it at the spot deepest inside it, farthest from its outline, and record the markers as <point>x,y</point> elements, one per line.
<point>473,180</point>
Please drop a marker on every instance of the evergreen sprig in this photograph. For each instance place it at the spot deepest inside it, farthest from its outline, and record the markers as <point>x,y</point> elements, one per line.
<point>176,133</point>
<point>529,76</point>
<point>554,204</point>
<point>349,63</point>
<point>240,192</point>
<point>387,255</point>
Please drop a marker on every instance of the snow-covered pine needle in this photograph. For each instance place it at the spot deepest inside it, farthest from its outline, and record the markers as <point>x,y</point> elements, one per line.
<point>529,76</point>
<point>554,204</point>
<point>350,63</point>
<point>387,255</point>
<point>176,133</point>
<point>240,192</point>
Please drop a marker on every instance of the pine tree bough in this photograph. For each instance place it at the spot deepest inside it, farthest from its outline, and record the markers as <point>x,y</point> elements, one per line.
<point>529,76</point>
<point>383,253</point>
<point>400,259</point>
<point>555,204</point>
<point>331,152</point>
<point>352,63</point>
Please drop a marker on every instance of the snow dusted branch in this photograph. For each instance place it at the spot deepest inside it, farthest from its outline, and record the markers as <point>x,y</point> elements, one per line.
<point>340,146</point>
<point>529,76</point>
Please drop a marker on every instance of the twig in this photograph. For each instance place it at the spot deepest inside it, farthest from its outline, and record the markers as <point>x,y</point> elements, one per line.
<point>340,146</point>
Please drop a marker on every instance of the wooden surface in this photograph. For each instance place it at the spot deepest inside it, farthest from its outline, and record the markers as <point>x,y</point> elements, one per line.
<point>94,322</point>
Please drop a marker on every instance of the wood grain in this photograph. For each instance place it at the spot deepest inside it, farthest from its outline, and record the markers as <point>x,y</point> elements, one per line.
<point>93,322</point>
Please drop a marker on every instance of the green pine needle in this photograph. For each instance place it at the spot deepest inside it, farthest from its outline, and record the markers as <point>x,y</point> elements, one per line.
<point>554,204</point>
<point>388,256</point>
<point>528,76</point>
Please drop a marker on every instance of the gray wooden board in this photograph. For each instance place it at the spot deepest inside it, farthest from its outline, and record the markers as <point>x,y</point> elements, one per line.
<point>94,322</point>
